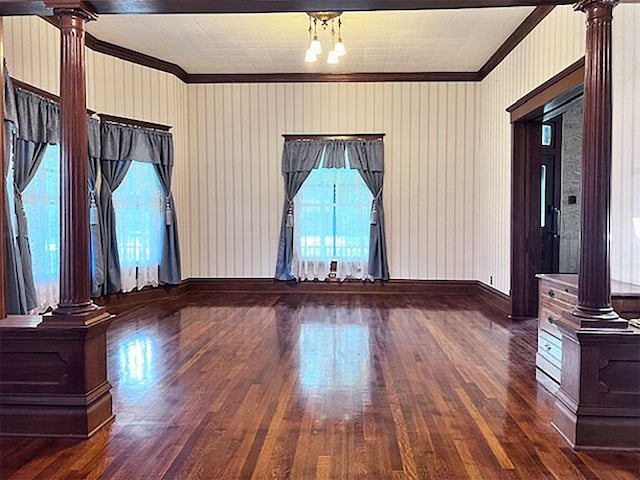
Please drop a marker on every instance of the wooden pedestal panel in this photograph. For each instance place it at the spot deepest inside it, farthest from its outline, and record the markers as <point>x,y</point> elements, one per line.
<point>598,403</point>
<point>53,377</point>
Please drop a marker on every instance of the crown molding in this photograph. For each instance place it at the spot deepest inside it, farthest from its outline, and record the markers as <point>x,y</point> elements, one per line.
<point>527,25</point>
<point>332,77</point>
<point>518,35</point>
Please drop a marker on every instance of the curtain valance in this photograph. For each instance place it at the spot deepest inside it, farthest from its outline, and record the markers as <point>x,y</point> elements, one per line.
<point>301,155</point>
<point>125,143</point>
<point>306,155</point>
<point>38,118</point>
<point>10,112</point>
<point>366,155</point>
<point>93,137</point>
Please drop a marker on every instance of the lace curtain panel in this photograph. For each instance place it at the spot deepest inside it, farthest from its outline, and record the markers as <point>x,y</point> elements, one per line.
<point>331,223</point>
<point>139,208</point>
<point>41,201</point>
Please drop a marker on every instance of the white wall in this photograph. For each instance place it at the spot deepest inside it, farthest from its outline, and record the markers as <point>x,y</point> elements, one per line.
<point>448,149</point>
<point>625,197</point>
<point>552,46</point>
<point>235,185</point>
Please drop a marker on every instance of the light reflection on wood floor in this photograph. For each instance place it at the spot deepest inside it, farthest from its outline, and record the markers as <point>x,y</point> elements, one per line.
<point>304,387</point>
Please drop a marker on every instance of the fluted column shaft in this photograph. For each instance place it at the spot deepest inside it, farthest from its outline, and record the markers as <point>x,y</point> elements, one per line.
<point>594,293</point>
<point>75,274</point>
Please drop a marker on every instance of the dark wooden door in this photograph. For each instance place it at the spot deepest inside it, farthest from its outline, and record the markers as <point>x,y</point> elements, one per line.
<point>550,195</point>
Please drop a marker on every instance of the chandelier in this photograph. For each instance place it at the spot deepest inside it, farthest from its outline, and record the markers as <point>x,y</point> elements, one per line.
<point>315,47</point>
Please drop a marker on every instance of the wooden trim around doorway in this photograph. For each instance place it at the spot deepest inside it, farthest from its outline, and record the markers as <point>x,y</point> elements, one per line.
<point>526,118</point>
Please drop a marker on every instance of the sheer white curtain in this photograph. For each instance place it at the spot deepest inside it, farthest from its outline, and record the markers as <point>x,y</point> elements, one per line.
<point>332,221</point>
<point>139,204</point>
<point>42,207</point>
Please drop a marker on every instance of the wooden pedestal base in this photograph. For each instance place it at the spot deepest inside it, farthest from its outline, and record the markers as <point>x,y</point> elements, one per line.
<point>53,375</point>
<point>598,403</point>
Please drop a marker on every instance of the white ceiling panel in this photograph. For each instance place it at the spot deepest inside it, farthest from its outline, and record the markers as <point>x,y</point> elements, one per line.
<point>399,41</point>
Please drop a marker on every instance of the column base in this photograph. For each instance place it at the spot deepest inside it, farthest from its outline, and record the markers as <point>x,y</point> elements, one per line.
<point>596,319</point>
<point>598,402</point>
<point>53,375</point>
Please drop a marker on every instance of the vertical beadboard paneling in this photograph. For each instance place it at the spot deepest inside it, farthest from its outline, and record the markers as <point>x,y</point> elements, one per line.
<point>625,207</point>
<point>235,186</point>
<point>552,46</point>
<point>32,50</point>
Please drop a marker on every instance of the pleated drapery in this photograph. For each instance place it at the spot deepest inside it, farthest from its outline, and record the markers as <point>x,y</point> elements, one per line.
<point>13,276</point>
<point>170,271</point>
<point>367,156</point>
<point>38,126</point>
<point>95,210</point>
<point>298,159</point>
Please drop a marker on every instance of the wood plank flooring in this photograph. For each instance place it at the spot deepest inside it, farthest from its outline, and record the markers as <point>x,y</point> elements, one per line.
<point>309,386</point>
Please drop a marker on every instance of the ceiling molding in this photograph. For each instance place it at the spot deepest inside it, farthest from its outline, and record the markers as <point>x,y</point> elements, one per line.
<point>332,77</point>
<point>32,7</point>
<point>528,24</point>
<point>519,34</point>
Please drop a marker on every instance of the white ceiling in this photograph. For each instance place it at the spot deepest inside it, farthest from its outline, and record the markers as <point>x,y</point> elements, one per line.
<point>399,41</point>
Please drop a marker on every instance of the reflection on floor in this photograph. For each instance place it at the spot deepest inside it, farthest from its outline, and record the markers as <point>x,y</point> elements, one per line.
<point>301,386</point>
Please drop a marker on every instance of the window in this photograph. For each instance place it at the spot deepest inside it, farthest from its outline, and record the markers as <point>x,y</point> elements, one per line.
<point>547,132</point>
<point>139,207</point>
<point>332,223</point>
<point>41,201</point>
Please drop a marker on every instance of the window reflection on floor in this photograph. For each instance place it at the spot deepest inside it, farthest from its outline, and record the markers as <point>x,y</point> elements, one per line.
<point>136,362</point>
<point>334,358</point>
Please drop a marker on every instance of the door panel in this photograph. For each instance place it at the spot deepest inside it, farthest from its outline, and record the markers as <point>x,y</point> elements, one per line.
<point>550,192</point>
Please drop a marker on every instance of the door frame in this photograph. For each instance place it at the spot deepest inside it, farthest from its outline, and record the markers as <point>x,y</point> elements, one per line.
<point>544,102</point>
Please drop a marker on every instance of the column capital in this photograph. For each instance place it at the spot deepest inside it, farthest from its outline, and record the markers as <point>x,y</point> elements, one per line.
<point>64,8</point>
<point>586,5</point>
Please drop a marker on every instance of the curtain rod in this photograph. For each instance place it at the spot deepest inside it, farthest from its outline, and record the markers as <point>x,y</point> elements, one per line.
<point>336,136</point>
<point>133,123</point>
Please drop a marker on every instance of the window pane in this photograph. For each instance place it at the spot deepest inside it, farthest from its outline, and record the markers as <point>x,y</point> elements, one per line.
<point>332,216</point>
<point>547,131</point>
<point>543,196</point>
<point>139,207</point>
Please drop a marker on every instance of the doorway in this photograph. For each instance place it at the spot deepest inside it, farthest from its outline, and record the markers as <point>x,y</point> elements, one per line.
<point>550,195</point>
<point>537,194</point>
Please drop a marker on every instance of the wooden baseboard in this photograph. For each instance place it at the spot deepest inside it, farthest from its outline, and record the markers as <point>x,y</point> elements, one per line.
<point>118,303</point>
<point>271,286</point>
<point>495,298</point>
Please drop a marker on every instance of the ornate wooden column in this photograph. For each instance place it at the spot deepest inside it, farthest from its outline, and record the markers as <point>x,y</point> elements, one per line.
<point>75,273</point>
<point>598,403</point>
<point>53,369</point>
<point>594,291</point>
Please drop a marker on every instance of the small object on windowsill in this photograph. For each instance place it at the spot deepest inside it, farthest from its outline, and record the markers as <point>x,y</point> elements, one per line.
<point>635,322</point>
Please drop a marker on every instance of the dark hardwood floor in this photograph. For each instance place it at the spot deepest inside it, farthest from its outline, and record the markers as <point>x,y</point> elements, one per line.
<point>308,386</point>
